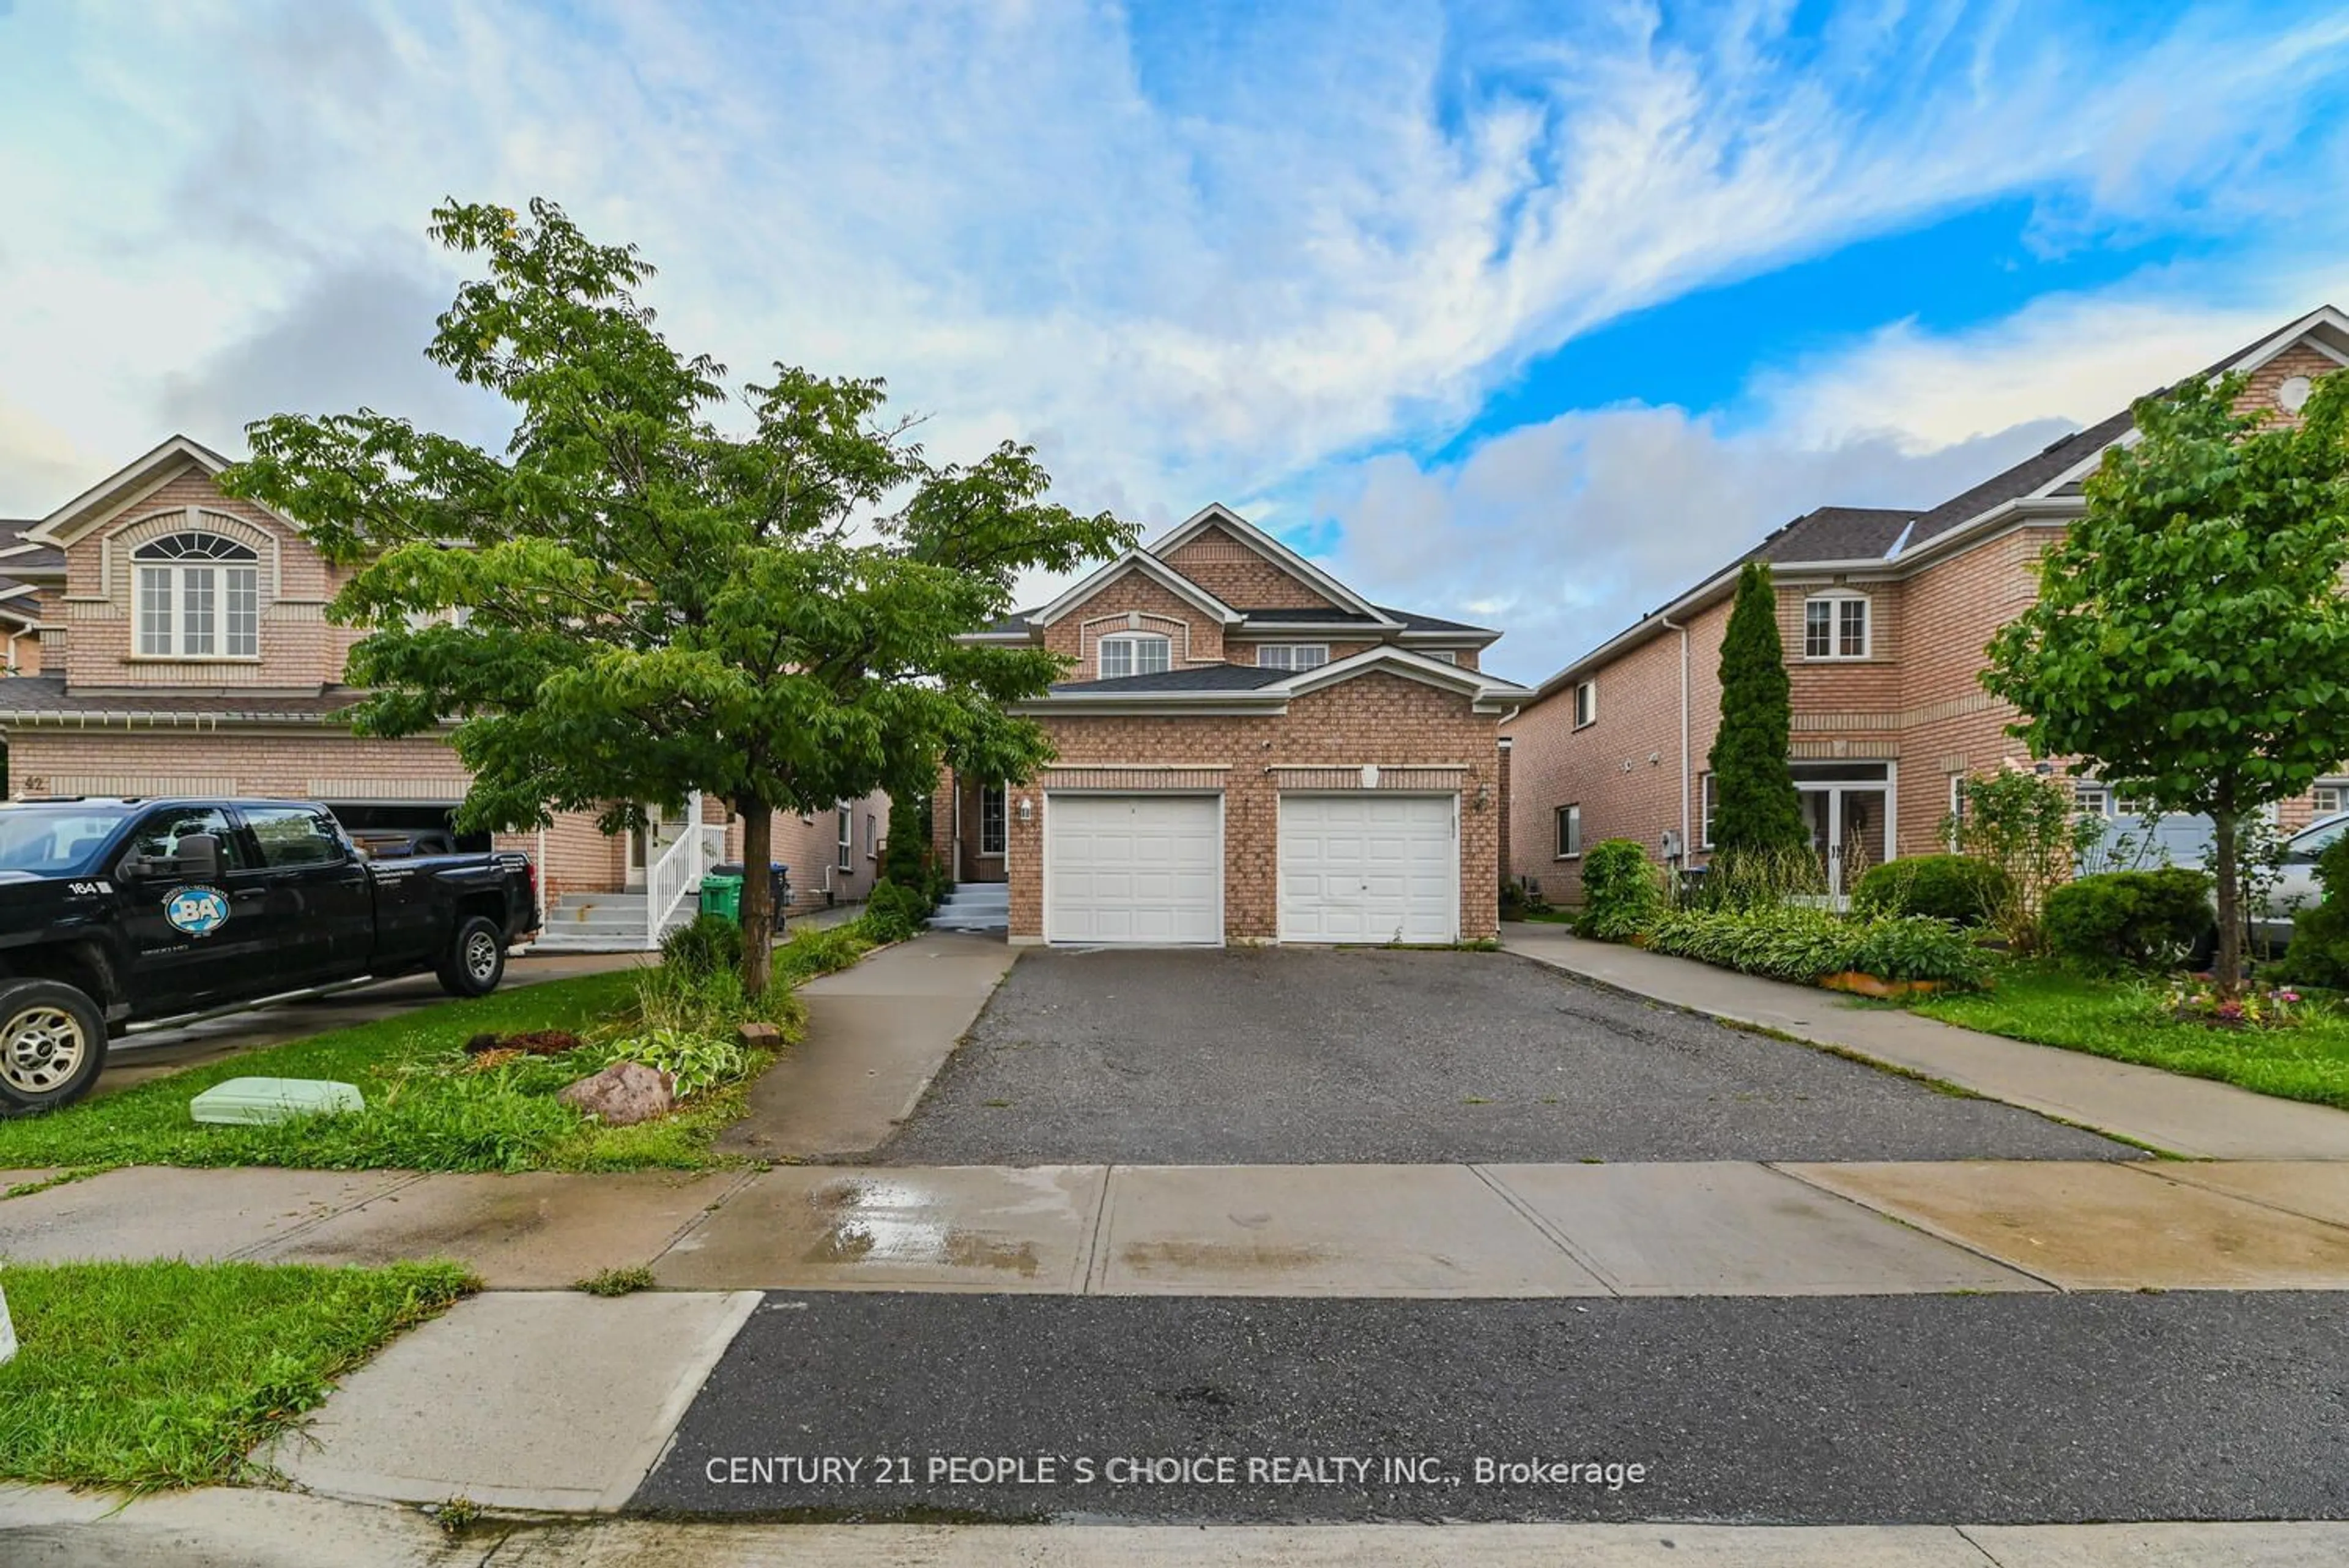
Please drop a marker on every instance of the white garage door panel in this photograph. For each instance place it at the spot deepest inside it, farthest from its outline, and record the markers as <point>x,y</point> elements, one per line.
<point>1368,868</point>
<point>1133,868</point>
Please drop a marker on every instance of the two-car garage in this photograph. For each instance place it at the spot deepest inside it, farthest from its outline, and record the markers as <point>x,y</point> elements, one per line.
<point>1364,866</point>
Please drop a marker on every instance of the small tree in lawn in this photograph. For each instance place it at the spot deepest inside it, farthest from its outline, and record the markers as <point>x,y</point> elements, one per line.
<point>652,605</point>
<point>1758,832</point>
<point>2190,635</point>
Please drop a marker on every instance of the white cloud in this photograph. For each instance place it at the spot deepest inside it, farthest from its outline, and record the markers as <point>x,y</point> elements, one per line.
<point>1563,532</point>
<point>2074,356</point>
<point>1202,270</point>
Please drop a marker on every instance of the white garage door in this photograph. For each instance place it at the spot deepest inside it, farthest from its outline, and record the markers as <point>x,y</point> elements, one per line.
<point>1369,868</point>
<point>1133,868</point>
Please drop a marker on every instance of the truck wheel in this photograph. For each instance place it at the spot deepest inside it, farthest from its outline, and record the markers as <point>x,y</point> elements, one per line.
<point>52,1046</point>
<point>476,960</point>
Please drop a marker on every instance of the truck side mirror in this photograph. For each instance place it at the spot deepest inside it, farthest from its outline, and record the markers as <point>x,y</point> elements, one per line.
<point>197,856</point>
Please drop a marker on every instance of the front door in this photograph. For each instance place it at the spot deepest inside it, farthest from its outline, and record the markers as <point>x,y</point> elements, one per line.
<point>647,844</point>
<point>1846,824</point>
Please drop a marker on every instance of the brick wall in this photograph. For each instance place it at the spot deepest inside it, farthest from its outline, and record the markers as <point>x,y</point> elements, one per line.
<point>1239,576</point>
<point>298,648</point>
<point>1917,701</point>
<point>1076,636</point>
<point>1624,769</point>
<point>1376,718</point>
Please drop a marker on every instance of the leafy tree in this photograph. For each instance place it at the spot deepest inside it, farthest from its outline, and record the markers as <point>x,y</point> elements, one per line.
<point>648,604</point>
<point>1755,809</point>
<point>2191,636</point>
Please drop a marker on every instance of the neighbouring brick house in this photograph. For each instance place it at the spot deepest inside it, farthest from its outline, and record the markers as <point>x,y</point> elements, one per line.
<point>182,647</point>
<point>1884,615</point>
<point>1247,752</point>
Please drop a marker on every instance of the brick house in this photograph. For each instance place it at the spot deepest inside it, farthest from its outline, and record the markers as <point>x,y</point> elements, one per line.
<point>168,638</point>
<point>1884,615</point>
<point>1247,752</point>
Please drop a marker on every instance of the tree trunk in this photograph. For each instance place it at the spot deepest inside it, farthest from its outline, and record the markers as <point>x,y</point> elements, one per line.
<point>2227,969</point>
<point>758,896</point>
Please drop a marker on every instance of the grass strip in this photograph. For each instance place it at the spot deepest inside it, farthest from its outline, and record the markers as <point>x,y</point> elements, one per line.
<point>138,1376</point>
<point>2047,1005</point>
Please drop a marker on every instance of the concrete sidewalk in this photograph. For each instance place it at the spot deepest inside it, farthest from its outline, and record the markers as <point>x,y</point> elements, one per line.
<point>2195,1117</point>
<point>1727,1228</point>
<point>225,1529</point>
<point>877,1033</point>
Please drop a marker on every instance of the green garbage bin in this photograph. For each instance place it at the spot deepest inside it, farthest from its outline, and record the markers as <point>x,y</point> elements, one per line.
<point>721,895</point>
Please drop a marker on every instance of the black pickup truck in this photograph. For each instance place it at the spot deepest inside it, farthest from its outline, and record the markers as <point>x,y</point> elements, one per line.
<point>121,911</point>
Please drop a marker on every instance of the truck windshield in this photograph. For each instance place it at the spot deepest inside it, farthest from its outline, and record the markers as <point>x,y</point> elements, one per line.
<point>54,840</point>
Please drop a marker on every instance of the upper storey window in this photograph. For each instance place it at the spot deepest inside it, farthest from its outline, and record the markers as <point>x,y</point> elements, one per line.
<point>198,597</point>
<point>1135,653</point>
<point>1834,625</point>
<point>1293,655</point>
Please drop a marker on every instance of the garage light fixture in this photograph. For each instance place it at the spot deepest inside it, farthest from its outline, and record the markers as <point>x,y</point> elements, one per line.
<point>1026,809</point>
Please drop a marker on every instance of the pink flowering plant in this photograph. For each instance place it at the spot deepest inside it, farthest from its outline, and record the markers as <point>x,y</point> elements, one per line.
<point>2200,1002</point>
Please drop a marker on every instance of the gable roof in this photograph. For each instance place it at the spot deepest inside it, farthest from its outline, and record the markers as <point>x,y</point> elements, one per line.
<point>122,488</point>
<point>1149,565</point>
<point>1215,514</point>
<point>2046,481</point>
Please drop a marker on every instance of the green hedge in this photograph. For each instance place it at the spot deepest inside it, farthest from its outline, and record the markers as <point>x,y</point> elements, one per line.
<point>1801,944</point>
<point>1957,887</point>
<point>1622,891</point>
<point>2129,920</point>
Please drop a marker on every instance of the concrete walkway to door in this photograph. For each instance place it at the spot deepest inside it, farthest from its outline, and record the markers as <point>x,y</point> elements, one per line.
<point>877,1033</point>
<point>2191,1117</point>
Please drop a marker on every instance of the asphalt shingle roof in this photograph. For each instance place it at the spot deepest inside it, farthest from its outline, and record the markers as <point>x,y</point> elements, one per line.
<point>47,558</point>
<point>1197,678</point>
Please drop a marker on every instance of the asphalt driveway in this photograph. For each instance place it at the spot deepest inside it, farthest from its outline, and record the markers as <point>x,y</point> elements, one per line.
<point>1303,1055</point>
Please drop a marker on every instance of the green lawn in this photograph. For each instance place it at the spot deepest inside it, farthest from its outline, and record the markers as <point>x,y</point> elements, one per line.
<point>2309,1061</point>
<point>424,1111</point>
<point>142,1375</point>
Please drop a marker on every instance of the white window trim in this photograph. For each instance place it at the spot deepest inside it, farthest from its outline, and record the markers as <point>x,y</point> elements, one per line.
<point>1705,785</point>
<point>1835,599</point>
<point>2340,788</point>
<point>1441,655</point>
<point>846,859</point>
<point>175,572</point>
<point>1130,639</point>
<point>1559,818</point>
<point>1580,689</point>
<point>1292,649</point>
<point>1003,844</point>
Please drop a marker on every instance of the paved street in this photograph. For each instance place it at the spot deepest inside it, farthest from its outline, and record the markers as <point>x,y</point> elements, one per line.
<point>1255,1056</point>
<point>2006,1407</point>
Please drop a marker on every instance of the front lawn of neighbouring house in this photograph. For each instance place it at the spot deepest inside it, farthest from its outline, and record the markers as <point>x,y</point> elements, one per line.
<point>429,1106</point>
<point>143,1375</point>
<point>2128,1021</point>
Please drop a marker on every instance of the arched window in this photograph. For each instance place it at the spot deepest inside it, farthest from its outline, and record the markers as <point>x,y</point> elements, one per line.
<point>1834,625</point>
<point>198,597</point>
<point>1135,653</point>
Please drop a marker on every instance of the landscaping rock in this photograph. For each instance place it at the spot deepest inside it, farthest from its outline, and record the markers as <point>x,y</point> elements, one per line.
<point>756,1033</point>
<point>623,1095</point>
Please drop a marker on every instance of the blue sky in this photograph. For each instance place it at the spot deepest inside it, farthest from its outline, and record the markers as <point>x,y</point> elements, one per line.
<point>1527,314</point>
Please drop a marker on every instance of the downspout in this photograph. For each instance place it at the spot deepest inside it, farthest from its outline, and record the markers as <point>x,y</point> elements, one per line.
<point>1688,845</point>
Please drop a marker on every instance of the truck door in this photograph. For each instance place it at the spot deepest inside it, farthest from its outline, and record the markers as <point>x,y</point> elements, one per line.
<point>320,904</point>
<point>191,944</point>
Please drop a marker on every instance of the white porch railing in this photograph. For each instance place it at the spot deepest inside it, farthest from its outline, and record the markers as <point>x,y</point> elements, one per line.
<point>678,873</point>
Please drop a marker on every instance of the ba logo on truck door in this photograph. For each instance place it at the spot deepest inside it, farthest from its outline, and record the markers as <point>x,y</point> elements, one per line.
<point>199,911</point>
